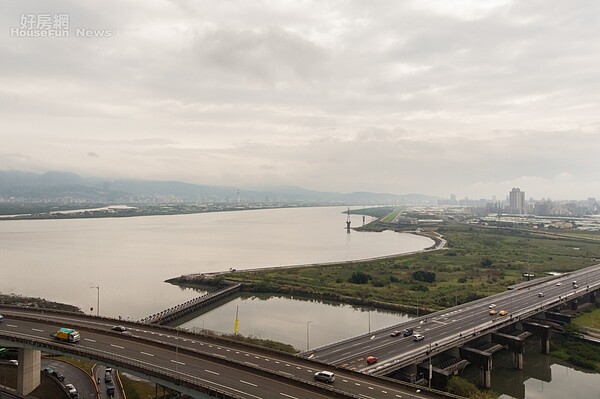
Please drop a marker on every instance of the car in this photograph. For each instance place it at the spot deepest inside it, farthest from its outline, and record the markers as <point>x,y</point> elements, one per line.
<point>13,362</point>
<point>492,312</point>
<point>48,370</point>
<point>119,329</point>
<point>558,284</point>
<point>575,286</point>
<point>110,389</point>
<point>107,378</point>
<point>407,332</point>
<point>418,337</point>
<point>503,312</point>
<point>492,306</point>
<point>1,318</point>
<point>58,375</point>
<point>540,294</point>
<point>72,390</point>
<point>395,333</point>
<point>324,376</point>
<point>371,359</point>
<point>108,370</point>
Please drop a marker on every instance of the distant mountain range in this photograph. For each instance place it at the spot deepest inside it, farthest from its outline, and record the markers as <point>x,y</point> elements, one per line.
<point>64,186</point>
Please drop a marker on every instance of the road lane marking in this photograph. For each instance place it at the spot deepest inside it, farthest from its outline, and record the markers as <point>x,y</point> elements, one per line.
<point>249,383</point>
<point>117,346</point>
<point>365,396</point>
<point>289,396</point>
<point>251,364</point>
<point>37,329</point>
<point>12,325</point>
<point>212,372</point>
<point>146,353</point>
<point>91,340</point>
<point>175,361</point>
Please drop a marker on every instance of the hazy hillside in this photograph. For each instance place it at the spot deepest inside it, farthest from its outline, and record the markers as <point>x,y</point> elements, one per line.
<point>64,186</point>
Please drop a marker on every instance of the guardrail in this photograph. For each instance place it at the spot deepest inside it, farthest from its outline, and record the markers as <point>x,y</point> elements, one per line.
<point>175,380</point>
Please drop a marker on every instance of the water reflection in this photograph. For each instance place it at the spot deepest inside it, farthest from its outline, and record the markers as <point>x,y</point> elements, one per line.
<point>542,376</point>
<point>286,319</point>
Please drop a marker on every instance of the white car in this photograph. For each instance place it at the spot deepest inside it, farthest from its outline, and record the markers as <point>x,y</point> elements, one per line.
<point>71,388</point>
<point>558,284</point>
<point>325,376</point>
<point>492,306</point>
<point>418,337</point>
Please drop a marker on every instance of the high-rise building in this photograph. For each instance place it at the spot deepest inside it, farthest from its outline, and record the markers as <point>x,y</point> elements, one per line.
<point>516,200</point>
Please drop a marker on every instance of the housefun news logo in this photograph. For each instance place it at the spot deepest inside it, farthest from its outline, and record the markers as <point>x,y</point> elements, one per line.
<point>54,25</point>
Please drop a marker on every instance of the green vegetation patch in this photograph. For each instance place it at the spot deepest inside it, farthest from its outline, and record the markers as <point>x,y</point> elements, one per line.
<point>477,262</point>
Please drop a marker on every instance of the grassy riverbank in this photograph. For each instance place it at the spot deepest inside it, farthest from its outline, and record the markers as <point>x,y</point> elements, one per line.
<point>477,262</point>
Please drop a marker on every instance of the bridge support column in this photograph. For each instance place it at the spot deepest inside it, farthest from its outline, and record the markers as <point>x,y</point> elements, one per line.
<point>593,297</point>
<point>28,372</point>
<point>485,374</point>
<point>483,360</point>
<point>518,358</point>
<point>543,332</point>
<point>574,304</point>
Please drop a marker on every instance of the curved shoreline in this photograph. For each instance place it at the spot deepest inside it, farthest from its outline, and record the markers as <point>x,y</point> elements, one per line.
<point>439,244</point>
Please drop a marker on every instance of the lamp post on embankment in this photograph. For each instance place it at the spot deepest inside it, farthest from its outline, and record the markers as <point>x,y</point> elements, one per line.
<point>307,341</point>
<point>98,303</point>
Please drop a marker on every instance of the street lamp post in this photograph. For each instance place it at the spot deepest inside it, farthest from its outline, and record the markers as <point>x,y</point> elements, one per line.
<point>307,341</point>
<point>98,304</point>
<point>430,368</point>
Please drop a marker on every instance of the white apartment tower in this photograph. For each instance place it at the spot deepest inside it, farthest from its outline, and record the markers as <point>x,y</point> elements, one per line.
<point>516,201</point>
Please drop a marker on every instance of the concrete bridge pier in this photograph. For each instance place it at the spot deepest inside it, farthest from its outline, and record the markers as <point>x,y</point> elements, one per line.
<point>593,297</point>
<point>542,331</point>
<point>514,344</point>
<point>574,304</point>
<point>483,361</point>
<point>28,372</point>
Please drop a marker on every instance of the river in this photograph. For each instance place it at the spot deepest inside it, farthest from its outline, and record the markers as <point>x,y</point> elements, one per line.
<point>129,258</point>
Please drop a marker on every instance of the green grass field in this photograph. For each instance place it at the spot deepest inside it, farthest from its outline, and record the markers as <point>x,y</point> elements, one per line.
<point>477,262</point>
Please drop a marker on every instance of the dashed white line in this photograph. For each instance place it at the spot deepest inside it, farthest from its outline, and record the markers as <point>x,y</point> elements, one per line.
<point>246,382</point>
<point>37,329</point>
<point>286,395</point>
<point>117,346</point>
<point>175,361</point>
<point>12,325</point>
<point>146,353</point>
<point>88,339</point>
<point>212,372</point>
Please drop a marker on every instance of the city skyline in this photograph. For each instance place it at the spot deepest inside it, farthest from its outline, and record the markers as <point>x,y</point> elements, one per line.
<point>433,98</point>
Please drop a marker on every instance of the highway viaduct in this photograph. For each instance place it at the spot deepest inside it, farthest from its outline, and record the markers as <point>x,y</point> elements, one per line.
<point>462,331</point>
<point>201,366</point>
<point>206,366</point>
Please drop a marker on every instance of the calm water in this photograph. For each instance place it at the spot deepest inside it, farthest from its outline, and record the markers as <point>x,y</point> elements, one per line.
<point>542,377</point>
<point>285,319</point>
<point>129,258</point>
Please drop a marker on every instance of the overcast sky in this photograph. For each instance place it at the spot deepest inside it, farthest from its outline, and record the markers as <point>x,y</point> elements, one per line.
<point>433,97</point>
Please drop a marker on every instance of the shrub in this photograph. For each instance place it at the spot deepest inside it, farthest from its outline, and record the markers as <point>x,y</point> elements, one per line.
<point>425,276</point>
<point>359,278</point>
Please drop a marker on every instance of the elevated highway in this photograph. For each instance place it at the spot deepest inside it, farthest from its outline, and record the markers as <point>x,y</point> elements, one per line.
<point>201,366</point>
<point>455,326</point>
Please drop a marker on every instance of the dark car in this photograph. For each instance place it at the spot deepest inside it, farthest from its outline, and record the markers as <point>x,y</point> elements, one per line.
<point>395,333</point>
<point>407,332</point>
<point>119,328</point>
<point>110,389</point>
<point>48,370</point>
<point>58,375</point>
<point>107,378</point>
